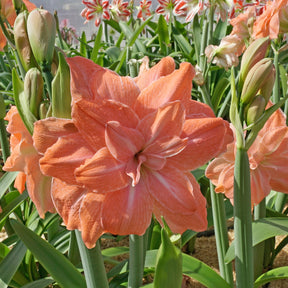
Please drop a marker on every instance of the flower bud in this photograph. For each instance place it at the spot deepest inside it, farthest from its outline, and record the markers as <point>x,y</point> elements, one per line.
<point>199,78</point>
<point>41,28</point>
<point>256,78</point>
<point>17,5</point>
<point>267,87</point>
<point>255,109</point>
<point>33,90</point>
<point>22,42</point>
<point>253,54</point>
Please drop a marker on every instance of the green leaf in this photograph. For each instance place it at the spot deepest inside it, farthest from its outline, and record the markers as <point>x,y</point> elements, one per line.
<point>163,35</point>
<point>218,92</point>
<point>97,44</point>
<point>283,78</point>
<point>274,274</point>
<point>263,229</point>
<point>196,28</point>
<point>182,42</point>
<point>9,265</point>
<point>52,260</point>
<point>41,283</point>
<point>5,181</point>
<point>83,45</point>
<point>115,251</point>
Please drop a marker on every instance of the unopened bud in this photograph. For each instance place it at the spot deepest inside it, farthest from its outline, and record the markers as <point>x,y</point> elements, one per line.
<point>22,41</point>
<point>43,110</point>
<point>41,28</point>
<point>33,90</point>
<point>256,78</point>
<point>267,87</point>
<point>17,5</point>
<point>253,54</point>
<point>256,109</point>
<point>199,78</point>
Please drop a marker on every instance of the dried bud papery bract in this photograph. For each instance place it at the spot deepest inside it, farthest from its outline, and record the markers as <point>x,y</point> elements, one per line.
<point>22,42</point>
<point>128,150</point>
<point>41,29</point>
<point>256,78</point>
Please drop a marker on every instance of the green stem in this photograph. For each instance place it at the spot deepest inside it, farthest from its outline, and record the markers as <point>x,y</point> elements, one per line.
<point>206,95</point>
<point>93,264</point>
<point>221,235</point>
<point>48,77</point>
<point>276,88</point>
<point>243,221</point>
<point>259,249</point>
<point>136,261</point>
<point>73,251</point>
<point>203,46</point>
<point>280,202</point>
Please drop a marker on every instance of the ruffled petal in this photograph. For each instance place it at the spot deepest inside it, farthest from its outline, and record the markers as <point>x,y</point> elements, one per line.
<point>61,159</point>
<point>175,86</point>
<point>90,217</point>
<point>67,200</point>
<point>207,138</point>
<point>91,82</point>
<point>122,142</point>
<point>132,210</point>
<point>194,217</point>
<point>20,181</point>
<point>195,109</point>
<point>102,173</point>
<point>165,67</point>
<point>91,118</point>
<point>47,131</point>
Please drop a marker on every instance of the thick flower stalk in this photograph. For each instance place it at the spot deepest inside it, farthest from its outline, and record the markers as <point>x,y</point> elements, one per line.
<point>129,149</point>
<point>267,160</point>
<point>25,158</point>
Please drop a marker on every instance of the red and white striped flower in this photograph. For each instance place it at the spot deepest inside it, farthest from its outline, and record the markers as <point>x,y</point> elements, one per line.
<point>144,9</point>
<point>166,8</point>
<point>119,10</point>
<point>188,8</point>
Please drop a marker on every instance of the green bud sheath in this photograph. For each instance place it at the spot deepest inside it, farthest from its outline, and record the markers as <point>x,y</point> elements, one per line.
<point>168,272</point>
<point>256,109</point>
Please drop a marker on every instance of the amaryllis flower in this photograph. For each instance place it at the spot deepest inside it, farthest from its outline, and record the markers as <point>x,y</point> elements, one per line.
<point>128,150</point>
<point>144,9</point>
<point>269,22</point>
<point>268,162</point>
<point>188,8</point>
<point>8,13</point>
<point>95,9</point>
<point>119,10</point>
<point>25,158</point>
<point>166,8</point>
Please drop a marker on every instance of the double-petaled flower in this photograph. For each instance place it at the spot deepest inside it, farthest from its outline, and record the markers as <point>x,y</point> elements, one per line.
<point>25,158</point>
<point>128,151</point>
<point>95,9</point>
<point>268,158</point>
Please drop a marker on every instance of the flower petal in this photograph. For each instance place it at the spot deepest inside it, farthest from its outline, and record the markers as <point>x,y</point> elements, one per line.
<point>47,131</point>
<point>92,82</point>
<point>175,86</point>
<point>91,118</point>
<point>67,200</point>
<point>122,142</point>
<point>194,217</point>
<point>61,159</point>
<point>195,109</point>
<point>132,210</point>
<point>207,138</point>
<point>165,67</point>
<point>102,173</point>
<point>90,217</point>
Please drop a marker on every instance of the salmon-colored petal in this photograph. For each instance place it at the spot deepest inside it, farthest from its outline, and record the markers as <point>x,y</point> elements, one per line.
<point>175,86</point>
<point>194,218</point>
<point>3,40</point>
<point>164,122</point>
<point>61,159</point>
<point>173,189</point>
<point>90,217</point>
<point>102,173</point>
<point>226,181</point>
<point>20,181</point>
<point>30,6</point>
<point>91,82</point>
<point>39,187</point>
<point>91,118</point>
<point>165,67</point>
<point>47,131</point>
<point>195,109</point>
<point>132,210</point>
<point>67,200</point>
<point>122,142</point>
<point>207,138</point>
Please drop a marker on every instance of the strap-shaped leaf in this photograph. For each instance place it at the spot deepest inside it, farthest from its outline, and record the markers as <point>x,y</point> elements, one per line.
<point>5,181</point>
<point>274,274</point>
<point>51,259</point>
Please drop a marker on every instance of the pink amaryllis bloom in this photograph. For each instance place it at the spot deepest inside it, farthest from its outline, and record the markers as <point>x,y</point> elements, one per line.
<point>128,151</point>
<point>268,162</point>
<point>188,8</point>
<point>95,9</point>
<point>166,8</point>
<point>119,10</point>
<point>144,9</point>
<point>25,158</point>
